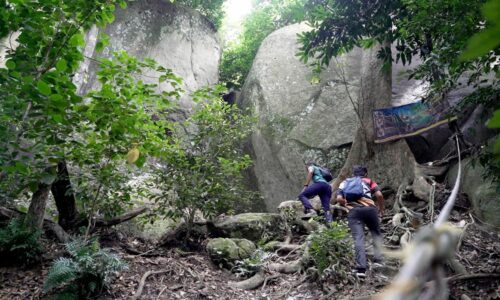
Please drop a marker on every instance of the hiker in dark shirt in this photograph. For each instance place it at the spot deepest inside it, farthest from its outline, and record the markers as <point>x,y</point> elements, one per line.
<point>362,211</point>
<point>320,187</point>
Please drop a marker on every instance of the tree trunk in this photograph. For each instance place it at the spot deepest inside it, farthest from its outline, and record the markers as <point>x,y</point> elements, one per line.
<point>388,164</point>
<point>64,197</point>
<point>36,211</point>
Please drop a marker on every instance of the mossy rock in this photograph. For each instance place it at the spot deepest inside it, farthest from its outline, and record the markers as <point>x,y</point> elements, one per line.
<point>295,209</point>
<point>225,251</point>
<point>252,226</point>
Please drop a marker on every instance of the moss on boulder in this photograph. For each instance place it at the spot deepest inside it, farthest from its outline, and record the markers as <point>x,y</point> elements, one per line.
<point>253,226</point>
<point>225,251</point>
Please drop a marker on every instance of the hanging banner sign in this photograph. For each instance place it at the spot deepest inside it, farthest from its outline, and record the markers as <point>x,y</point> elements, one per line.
<point>407,120</point>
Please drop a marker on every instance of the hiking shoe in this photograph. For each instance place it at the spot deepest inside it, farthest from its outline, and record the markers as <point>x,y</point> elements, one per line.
<point>359,273</point>
<point>311,213</point>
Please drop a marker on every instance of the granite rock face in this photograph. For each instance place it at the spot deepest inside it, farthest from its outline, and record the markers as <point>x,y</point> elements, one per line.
<point>482,192</point>
<point>176,37</point>
<point>298,121</point>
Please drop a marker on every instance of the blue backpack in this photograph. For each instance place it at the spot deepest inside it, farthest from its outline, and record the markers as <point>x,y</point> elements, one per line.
<point>353,189</point>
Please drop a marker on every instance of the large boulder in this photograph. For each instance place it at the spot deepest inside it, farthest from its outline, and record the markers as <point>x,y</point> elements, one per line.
<point>176,37</point>
<point>298,120</point>
<point>482,193</point>
<point>257,227</point>
<point>226,251</point>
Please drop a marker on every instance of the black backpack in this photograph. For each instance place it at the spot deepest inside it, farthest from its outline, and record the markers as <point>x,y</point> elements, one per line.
<point>325,173</point>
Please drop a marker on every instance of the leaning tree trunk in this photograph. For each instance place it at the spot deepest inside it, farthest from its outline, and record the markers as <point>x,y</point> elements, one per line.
<point>36,211</point>
<point>389,163</point>
<point>64,197</point>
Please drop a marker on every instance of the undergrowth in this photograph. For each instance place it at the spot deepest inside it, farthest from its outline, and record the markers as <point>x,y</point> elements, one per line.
<point>331,251</point>
<point>86,273</point>
<point>19,244</point>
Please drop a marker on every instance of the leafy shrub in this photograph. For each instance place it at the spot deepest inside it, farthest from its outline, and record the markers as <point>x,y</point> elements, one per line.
<point>331,251</point>
<point>202,171</point>
<point>87,272</point>
<point>19,244</point>
<point>249,266</point>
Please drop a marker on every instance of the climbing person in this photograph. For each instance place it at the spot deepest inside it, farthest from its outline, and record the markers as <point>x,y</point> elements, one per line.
<point>319,187</point>
<point>356,194</point>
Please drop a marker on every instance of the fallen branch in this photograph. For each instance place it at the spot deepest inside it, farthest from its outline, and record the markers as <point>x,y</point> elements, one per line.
<point>143,282</point>
<point>472,276</point>
<point>101,222</point>
<point>49,226</point>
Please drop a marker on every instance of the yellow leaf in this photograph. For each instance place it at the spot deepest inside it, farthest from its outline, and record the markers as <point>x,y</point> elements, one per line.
<point>133,155</point>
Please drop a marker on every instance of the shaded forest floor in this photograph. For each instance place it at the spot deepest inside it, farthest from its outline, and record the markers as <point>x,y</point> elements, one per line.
<point>191,275</point>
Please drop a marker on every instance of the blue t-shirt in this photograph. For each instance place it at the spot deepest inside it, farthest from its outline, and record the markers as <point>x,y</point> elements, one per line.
<point>316,174</point>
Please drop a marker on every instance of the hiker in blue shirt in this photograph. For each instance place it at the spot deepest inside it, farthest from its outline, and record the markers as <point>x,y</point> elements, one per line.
<point>319,187</point>
<point>356,194</point>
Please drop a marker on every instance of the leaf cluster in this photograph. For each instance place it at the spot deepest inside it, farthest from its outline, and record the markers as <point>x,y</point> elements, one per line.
<point>436,31</point>
<point>19,244</point>
<point>212,9</point>
<point>202,170</point>
<point>249,266</point>
<point>45,120</point>
<point>87,271</point>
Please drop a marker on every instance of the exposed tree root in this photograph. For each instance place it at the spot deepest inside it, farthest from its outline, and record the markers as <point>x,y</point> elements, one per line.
<point>281,246</point>
<point>143,282</point>
<point>250,283</point>
<point>287,268</point>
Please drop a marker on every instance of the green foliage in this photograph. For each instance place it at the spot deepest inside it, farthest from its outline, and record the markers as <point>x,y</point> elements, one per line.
<point>331,250</point>
<point>87,271</point>
<point>43,120</point>
<point>267,16</point>
<point>436,31</point>
<point>249,266</point>
<point>38,100</point>
<point>480,44</point>
<point>488,39</point>
<point>212,9</point>
<point>19,244</point>
<point>203,169</point>
<point>122,116</point>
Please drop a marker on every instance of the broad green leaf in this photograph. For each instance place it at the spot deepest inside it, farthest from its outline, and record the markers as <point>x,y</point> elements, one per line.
<point>123,4</point>
<point>61,65</point>
<point>494,122</point>
<point>44,88</point>
<point>481,43</point>
<point>10,64</point>
<point>77,40</point>
<point>57,118</point>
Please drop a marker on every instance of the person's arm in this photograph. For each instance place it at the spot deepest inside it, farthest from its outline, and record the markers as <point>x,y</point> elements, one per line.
<point>380,202</point>
<point>308,178</point>
<point>341,200</point>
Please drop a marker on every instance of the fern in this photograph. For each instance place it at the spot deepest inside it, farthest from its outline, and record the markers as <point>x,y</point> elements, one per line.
<point>62,271</point>
<point>88,271</point>
<point>19,244</point>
